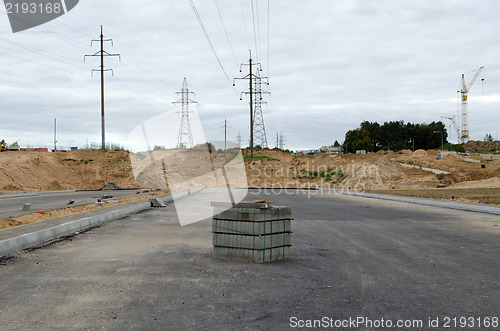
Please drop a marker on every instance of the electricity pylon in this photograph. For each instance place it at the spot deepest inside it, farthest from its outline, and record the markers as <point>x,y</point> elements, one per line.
<point>251,77</point>
<point>259,128</point>
<point>185,139</point>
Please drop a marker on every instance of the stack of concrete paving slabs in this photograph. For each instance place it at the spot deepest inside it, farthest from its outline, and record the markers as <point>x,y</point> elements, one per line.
<point>251,232</point>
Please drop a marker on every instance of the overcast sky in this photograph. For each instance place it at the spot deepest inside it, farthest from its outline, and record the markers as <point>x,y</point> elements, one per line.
<point>331,65</point>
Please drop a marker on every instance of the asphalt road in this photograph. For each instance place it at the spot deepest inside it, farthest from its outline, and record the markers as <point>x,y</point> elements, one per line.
<point>13,207</point>
<point>352,258</point>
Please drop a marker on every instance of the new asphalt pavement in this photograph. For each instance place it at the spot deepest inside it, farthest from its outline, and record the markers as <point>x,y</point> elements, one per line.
<point>357,264</point>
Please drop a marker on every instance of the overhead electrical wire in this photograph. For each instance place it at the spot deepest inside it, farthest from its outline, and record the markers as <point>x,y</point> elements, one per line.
<point>258,28</point>
<point>42,64</point>
<point>244,24</point>
<point>268,40</point>
<point>208,38</point>
<point>227,36</point>
<point>136,91</point>
<point>44,53</point>
<point>255,33</point>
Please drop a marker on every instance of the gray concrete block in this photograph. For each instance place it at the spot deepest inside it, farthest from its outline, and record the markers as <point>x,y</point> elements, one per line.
<point>156,202</point>
<point>248,255</point>
<point>253,228</point>
<point>249,214</point>
<point>252,242</point>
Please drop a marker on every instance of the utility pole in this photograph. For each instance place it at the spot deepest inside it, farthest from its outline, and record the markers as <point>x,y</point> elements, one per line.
<point>55,134</point>
<point>251,77</point>
<point>277,140</point>
<point>225,134</point>
<point>102,53</point>
<point>185,139</point>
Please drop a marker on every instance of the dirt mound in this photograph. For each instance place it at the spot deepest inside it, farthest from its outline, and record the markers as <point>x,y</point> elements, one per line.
<point>475,146</point>
<point>420,152</point>
<point>373,173</point>
<point>482,183</point>
<point>405,152</point>
<point>80,169</point>
<point>92,169</point>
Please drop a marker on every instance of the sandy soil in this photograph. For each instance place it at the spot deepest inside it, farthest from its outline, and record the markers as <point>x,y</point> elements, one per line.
<point>376,170</point>
<point>92,169</point>
<point>476,195</point>
<point>81,169</point>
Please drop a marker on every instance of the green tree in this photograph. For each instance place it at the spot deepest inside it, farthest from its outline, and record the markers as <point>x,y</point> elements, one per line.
<point>358,139</point>
<point>488,137</point>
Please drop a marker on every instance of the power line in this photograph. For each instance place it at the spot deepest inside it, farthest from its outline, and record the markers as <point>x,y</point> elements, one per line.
<point>42,64</point>
<point>244,23</point>
<point>43,53</point>
<point>225,31</point>
<point>258,27</point>
<point>255,33</point>
<point>208,38</point>
<point>268,40</point>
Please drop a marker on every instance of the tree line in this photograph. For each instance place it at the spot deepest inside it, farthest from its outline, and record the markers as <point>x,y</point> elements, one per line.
<point>395,136</point>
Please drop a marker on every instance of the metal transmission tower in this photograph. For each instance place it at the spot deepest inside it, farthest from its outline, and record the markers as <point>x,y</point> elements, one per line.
<point>251,77</point>
<point>258,124</point>
<point>464,90</point>
<point>185,139</point>
<point>281,141</point>
<point>239,140</point>
<point>102,53</point>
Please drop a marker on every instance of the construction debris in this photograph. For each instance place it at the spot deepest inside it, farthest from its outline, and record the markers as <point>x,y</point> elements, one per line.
<point>156,202</point>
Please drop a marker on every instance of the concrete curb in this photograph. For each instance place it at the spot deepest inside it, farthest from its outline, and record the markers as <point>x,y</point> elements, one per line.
<point>427,202</point>
<point>31,239</point>
<point>31,194</point>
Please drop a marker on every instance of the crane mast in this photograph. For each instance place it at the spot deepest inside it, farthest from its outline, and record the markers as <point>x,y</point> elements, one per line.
<point>464,91</point>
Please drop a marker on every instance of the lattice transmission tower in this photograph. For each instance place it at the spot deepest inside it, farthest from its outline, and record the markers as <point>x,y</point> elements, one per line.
<point>254,95</point>
<point>259,128</point>
<point>185,139</point>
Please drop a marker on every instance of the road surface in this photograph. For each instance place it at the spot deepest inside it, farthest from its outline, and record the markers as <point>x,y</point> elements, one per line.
<point>13,207</point>
<point>352,258</point>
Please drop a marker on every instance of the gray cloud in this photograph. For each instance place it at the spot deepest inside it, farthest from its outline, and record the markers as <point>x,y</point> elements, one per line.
<point>331,65</point>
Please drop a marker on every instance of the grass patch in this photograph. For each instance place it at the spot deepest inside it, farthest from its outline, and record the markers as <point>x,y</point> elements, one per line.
<point>259,158</point>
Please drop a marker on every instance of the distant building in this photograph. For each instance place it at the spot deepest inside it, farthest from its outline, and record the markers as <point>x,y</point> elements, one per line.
<point>330,150</point>
<point>361,151</point>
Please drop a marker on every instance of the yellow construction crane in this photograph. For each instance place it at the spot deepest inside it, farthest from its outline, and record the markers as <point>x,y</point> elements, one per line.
<point>464,90</point>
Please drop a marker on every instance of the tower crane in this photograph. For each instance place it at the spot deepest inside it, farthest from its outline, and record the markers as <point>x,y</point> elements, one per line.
<point>455,126</point>
<point>464,90</point>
